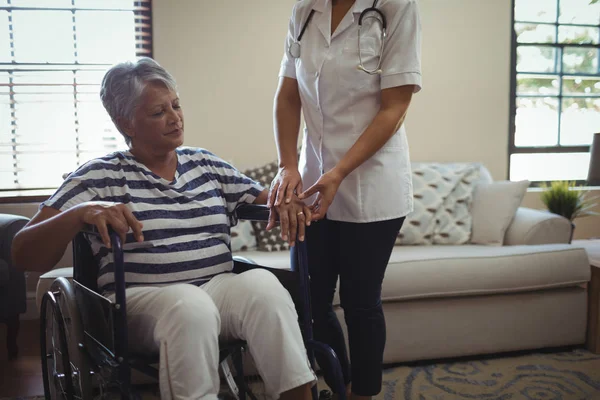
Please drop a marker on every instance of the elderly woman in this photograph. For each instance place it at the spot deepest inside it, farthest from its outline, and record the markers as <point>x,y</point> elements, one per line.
<point>182,298</point>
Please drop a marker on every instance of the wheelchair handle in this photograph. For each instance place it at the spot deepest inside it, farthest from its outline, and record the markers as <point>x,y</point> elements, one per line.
<point>253,212</point>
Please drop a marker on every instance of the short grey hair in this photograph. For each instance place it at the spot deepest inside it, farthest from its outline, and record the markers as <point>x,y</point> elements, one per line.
<point>123,84</point>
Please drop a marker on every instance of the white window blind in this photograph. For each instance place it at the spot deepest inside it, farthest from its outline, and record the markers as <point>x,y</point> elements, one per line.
<point>53,55</point>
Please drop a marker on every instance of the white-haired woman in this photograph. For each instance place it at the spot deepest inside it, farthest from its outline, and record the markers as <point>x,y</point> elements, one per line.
<point>181,295</point>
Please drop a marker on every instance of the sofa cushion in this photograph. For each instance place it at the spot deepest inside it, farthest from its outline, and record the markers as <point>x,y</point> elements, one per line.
<point>416,272</point>
<point>445,271</point>
<point>504,198</point>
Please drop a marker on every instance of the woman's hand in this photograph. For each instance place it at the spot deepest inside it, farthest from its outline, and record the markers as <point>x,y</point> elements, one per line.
<point>285,185</point>
<point>293,219</point>
<point>116,215</point>
<point>326,187</point>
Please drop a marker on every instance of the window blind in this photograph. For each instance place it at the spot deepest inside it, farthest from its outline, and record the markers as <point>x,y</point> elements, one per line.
<point>53,55</point>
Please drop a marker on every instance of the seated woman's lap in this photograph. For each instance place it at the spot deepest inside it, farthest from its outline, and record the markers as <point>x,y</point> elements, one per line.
<point>229,304</point>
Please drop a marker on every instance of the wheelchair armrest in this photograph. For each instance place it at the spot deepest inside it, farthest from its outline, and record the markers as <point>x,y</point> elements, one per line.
<point>252,212</point>
<point>288,277</point>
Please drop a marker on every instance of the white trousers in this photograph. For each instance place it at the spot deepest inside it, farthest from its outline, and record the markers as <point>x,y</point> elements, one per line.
<point>185,324</point>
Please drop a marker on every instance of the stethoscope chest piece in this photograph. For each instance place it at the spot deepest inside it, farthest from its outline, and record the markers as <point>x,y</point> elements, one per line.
<point>294,49</point>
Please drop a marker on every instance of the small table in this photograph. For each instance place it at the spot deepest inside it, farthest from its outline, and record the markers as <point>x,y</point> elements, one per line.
<point>592,247</point>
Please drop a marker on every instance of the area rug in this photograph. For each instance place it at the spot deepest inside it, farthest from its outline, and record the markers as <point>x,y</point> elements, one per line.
<point>539,376</point>
<point>566,375</point>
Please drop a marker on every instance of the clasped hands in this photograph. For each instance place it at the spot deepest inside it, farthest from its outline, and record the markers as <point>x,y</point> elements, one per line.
<point>286,197</point>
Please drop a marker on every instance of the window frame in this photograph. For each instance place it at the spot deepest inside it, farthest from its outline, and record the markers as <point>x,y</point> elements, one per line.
<point>558,148</point>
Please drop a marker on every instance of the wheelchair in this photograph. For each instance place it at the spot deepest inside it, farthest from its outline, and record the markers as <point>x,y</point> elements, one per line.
<point>83,335</point>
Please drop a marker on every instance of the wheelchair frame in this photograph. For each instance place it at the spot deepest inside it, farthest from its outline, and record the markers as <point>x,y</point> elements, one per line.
<point>107,348</point>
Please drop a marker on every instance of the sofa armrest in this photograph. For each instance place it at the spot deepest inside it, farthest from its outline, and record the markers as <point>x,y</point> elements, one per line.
<point>531,226</point>
<point>13,297</point>
<point>9,226</point>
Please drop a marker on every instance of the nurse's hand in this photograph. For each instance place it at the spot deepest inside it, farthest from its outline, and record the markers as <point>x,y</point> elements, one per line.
<point>326,187</point>
<point>293,219</point>
<point>285,185</point>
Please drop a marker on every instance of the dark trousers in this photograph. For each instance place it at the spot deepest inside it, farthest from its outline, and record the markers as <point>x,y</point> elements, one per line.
<point>358,254</point>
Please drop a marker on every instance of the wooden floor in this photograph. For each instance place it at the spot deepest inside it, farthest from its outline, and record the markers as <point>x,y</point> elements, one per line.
<point>23,376</point>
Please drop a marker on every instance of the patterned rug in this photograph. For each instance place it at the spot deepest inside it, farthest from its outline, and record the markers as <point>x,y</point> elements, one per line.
<point>567,375</point>
<point>539,376</point>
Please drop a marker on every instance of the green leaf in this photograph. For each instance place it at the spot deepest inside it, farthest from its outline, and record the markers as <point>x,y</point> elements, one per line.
<point>561,198</point>
<point>593,1</point>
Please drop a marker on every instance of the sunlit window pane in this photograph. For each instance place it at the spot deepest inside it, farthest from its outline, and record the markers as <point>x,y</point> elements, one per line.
<point>5,122</point>
<point>549,166</point>
<point>582,60</point>
<point>536,10</point>
<point>43,82</point>
<point>544,85</point>
<point>578,34</point>
<point>53,127</point>
<point>113,45</point>
<point>105,4</point>
<point>536,121</point>
<point>580,119</point>
<point>536,59</point>
<point>43,36</point>
<point>581,86</point>
<point>44,170</point>
<point>42,3</point>
<point>96,129</point>
<point>5,55</point>
<point>579,12</point>
<point>535,33</point>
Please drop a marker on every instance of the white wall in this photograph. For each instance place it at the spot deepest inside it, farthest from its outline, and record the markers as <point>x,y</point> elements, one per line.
<point>225,57</point>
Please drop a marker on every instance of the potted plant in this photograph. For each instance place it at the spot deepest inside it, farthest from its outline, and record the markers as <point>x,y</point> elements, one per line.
<point>561,198</point>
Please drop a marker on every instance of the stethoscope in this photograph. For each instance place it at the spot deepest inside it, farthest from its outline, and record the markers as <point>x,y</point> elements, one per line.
<point>294,47</point>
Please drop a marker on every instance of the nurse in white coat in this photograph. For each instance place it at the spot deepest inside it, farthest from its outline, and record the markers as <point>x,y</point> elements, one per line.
<point>353,85</point>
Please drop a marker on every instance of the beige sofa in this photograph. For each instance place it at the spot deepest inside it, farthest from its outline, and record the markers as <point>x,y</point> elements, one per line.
<point>445,300</point>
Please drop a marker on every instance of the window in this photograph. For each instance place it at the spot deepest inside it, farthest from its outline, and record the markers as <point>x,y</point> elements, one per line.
<point>53,55</point>
<point>555,88</point>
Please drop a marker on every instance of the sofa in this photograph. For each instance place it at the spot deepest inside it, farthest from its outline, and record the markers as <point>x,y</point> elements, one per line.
<point>13,292</point>
<point>472,271</point>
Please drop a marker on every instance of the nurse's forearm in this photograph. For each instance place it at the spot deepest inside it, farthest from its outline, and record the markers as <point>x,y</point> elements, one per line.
<point>287,122</point>
<point>389,119</point>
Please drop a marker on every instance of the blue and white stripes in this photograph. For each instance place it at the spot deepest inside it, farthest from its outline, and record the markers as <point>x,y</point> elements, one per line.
<point>187,221</point>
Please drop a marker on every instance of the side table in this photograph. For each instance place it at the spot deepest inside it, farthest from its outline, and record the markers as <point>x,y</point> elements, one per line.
<point>592,247</point>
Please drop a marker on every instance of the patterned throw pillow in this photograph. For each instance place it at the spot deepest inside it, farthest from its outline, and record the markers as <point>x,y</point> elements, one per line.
<point>266,240</point>
<point>442,195</point>
<point>243,237</point>
<point>454,220</point>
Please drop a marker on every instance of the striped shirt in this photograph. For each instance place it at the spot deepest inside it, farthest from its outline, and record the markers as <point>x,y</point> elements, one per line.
<point>186,221</point>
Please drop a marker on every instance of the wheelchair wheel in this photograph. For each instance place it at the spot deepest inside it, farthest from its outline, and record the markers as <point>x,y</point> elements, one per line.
<point>56,368</point>
<point>62,320</point>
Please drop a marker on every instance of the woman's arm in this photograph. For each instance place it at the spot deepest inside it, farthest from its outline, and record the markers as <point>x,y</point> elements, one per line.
<point>286,122</point>
<point>394,106</point>
<point>42,242</point>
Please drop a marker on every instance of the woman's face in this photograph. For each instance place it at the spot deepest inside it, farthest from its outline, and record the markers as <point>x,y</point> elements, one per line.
<point>158,120</point>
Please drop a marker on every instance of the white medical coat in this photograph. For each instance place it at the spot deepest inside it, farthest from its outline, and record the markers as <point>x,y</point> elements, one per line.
<point>339,102</point>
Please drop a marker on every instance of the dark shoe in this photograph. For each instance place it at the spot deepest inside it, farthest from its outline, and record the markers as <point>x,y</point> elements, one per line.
<point>325,395</point>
